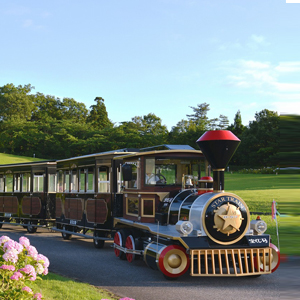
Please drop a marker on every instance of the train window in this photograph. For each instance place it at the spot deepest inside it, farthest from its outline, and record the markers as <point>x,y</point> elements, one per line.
<point>1,183</point>
<point>17,181</point>
<point>67,181</point>
<point>51,183</point>
<point>82,180</point>
<point>38,182</point>
<point>25,182</point>
<point>90,180</point>
<point>132,206</point>
<point>74,181</point>
<point>134,182</point>
<point>9,183</point>
<point>60,181</point>
<point>148,207</point>
<point>103,180</point>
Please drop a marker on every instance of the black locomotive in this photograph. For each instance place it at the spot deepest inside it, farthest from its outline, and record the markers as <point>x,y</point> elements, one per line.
<point>157,203</point>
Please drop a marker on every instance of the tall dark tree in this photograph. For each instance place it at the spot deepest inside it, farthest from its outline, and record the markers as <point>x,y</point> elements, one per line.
<point>98,116</point>
<point>237,127</point>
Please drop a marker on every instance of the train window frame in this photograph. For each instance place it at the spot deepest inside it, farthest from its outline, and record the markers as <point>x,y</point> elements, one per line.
<point>135,182</point>
<point>136,203</point>
<point>25,182</point>
<point>74,180</point>
<point>52,183</point>
<point>2,182</point>
<point>38,182</point>
<point>9,183</point>
<point>90,179</point>
<point>82,180</point>
<point>105,183</point>
<point>143,207</point>
<point>67,181</point>
<point>17,182</point>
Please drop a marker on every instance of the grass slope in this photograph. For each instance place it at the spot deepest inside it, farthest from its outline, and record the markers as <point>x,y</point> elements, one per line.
<point>15,159</point>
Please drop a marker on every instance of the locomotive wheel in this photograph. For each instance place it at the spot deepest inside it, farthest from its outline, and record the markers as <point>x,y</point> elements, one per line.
<point>98,243</point>
<point>173,261</point>
<point>66,236</point>
<point>31,228</point>
<point>130,244</point>
<point>275,260</point>
<point>120,239</point>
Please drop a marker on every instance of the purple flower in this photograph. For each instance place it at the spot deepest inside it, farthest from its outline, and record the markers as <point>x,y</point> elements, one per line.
<point>16,276</point>
<point>29,270</point>
<point>8,267</point>
<point>27,289</point>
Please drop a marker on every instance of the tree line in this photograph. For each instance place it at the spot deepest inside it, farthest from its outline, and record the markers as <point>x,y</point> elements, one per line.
<point>53,128</point>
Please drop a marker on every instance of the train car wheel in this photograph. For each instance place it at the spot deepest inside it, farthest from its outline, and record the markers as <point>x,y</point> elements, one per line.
<point>130,244</point>
<point>66,236</point>
<point>173,261</point>
<point>275,260</point>
<point>31,228</point>
<point>98,243</point>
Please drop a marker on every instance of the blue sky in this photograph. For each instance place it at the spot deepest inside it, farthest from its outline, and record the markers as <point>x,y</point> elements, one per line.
<point>158,56</point>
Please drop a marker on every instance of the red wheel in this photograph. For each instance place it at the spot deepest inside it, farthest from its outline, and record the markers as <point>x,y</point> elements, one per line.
<point>130,244</point>
<point>118,242</point>
<point>173,261</point>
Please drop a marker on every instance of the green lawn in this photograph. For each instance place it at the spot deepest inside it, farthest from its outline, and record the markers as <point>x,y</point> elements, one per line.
<point>259,191</point>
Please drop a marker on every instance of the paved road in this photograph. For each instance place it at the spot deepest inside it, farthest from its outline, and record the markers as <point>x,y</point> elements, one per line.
<point>79,259</point>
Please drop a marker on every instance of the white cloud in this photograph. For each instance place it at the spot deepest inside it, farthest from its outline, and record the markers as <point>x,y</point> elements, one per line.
<point>292,66</point>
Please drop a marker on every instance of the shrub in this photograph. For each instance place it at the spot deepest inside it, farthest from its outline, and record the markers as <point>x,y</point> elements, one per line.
<point>20,263</point>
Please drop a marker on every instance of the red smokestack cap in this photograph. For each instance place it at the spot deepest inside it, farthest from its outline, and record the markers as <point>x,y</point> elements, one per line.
<point>218,146</point>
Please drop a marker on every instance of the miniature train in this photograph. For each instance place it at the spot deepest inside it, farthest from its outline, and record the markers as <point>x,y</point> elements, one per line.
<point>158,203</point>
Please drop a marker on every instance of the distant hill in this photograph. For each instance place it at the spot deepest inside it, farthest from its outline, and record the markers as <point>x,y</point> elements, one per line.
<point>15,159</point>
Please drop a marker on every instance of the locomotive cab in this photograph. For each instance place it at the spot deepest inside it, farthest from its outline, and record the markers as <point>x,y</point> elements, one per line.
<point>152,178</point>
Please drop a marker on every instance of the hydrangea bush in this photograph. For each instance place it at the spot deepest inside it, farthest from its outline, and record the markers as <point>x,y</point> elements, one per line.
<point>20,263</point>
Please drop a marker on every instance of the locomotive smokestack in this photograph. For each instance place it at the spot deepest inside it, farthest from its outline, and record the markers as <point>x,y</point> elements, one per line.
<point>218,147</point>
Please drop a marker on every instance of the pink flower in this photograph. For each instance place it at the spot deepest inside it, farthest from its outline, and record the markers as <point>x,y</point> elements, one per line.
<point>16,276</point>
<point>29,270</point>
<point>24,241</point>
<point>12,245</point>
<point>11,255</point>
<point>4,239</point>
<point>37,296</point>
<point>32,252</point>
<point>8,267</point>
<point>45,271</point>
<point>43,260</point>
<point>126,298</point>
<point>27,289</point>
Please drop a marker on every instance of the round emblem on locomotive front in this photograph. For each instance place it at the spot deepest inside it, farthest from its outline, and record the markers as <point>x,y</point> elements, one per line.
<point>226,218</point>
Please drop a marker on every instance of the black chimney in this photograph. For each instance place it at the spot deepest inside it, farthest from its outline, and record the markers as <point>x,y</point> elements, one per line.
<point>218,146</point>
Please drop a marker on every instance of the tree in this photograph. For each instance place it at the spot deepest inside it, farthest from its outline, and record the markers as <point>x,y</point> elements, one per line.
<point>237,127</point>
<point>260,141</point>
<point>223,122</point>
<point>16,102</point>
<point>199,117</point>
<point>98,117</point>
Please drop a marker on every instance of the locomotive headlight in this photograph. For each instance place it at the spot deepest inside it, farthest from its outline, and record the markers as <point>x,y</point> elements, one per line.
<point>184,227</point>
<point>258,226</point>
